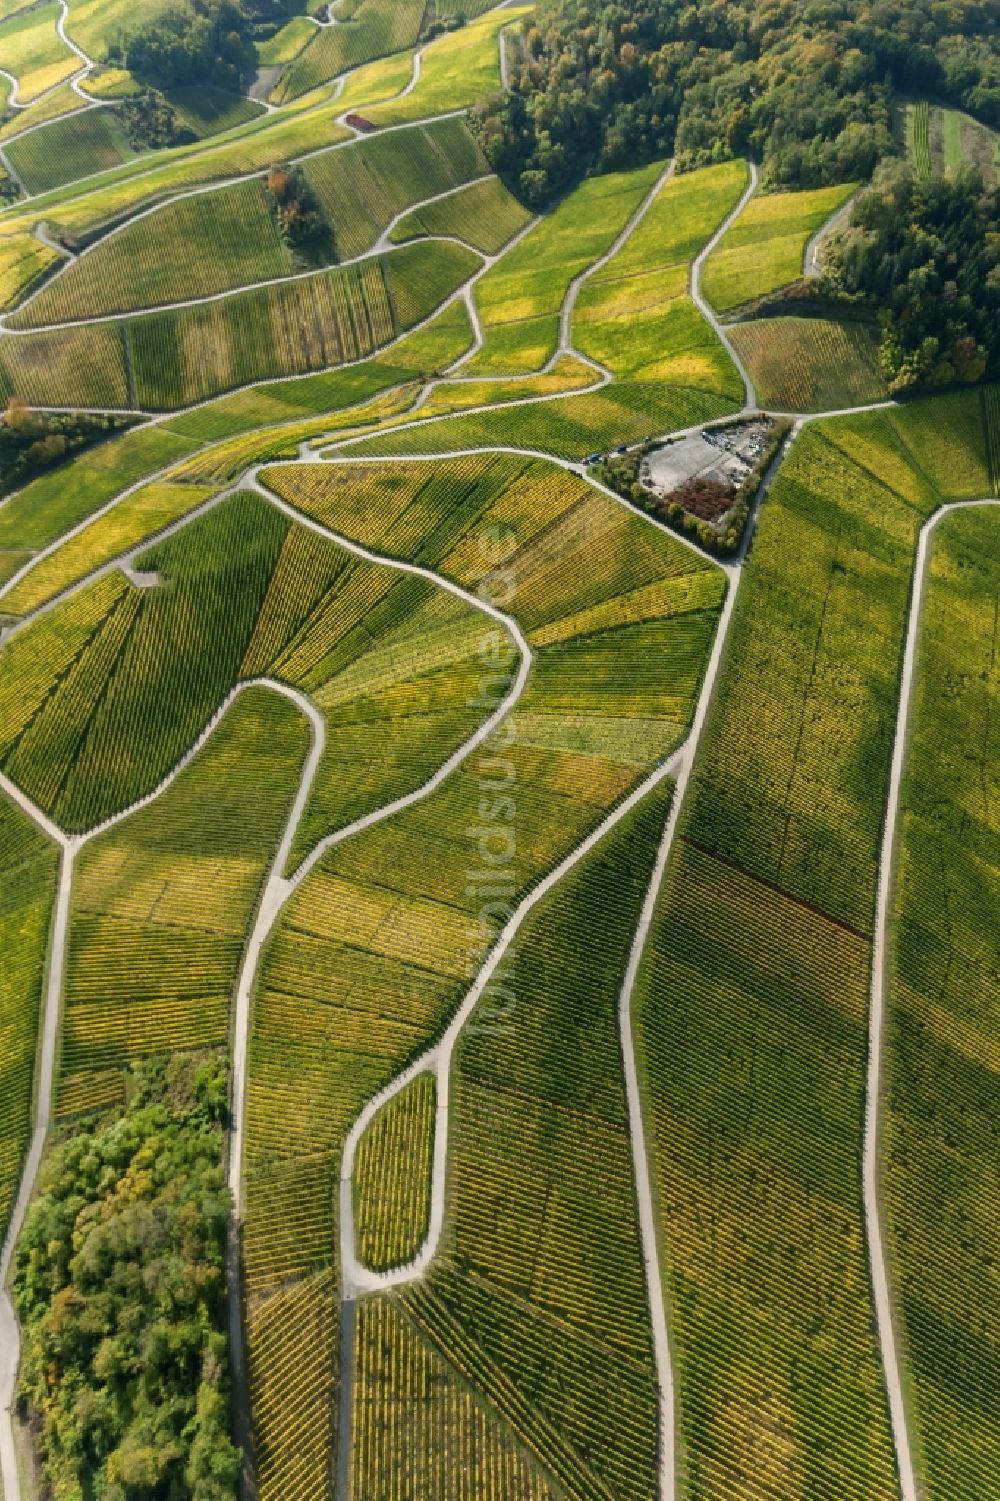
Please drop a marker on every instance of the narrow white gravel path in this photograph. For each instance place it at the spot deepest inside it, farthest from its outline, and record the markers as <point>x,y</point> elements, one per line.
<point>277,892</point>
<point>701,301</point>
<point>909,1489</point>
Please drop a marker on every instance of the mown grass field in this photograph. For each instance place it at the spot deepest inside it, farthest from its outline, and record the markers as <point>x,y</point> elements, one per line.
<point>764,249</point>
<point>943,1061</point>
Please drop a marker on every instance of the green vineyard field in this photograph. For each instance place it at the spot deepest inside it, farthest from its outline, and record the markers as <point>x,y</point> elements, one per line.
<point>943,1068</point>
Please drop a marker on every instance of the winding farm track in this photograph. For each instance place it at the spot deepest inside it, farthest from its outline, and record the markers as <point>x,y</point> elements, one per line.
<point>909,1489</point>
<point>701,301</point>
<point>278,888</point>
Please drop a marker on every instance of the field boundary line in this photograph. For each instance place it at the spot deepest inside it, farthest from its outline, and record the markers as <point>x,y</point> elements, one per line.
<point>909,1490</point>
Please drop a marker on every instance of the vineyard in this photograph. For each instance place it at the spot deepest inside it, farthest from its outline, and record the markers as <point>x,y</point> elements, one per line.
<point>28,862</point>
<point>635,316</point>
<point>33,51</point>
<point>942,1074</point>
<point>392,1178</point>
<point>148,929</point>
<point>519,299</point>
<point>231,238</point>
<point>484,215</point>
<point>158,361</point>
<point>542,1280</point>
<point>372,29</point>
<point>377,945</point>
<point>608,1077</point>
<point>810,364</point>
<point>69,148</point>
<point>764,249</point>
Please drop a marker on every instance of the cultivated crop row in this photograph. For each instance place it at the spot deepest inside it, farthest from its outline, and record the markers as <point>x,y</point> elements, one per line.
<point>28,867</point>
<point>194,247</point>
<point>810,364</point>
<point>757,1099</point>
<point>176,357</point>
<point>943,1060</point>
<point>418,1430</point>
<point>484,215</point>
<point>361,188</point>
<point>525,291</point>
<point>764,249</point>
<point>634,314</point>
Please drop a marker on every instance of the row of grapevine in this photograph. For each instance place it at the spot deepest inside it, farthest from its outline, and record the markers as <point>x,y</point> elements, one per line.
<point>810,364</point>
<point>373,29</point>
<point>484,215</point>
<point>361,188</point>
<point>195,246</point>
<point>757,1100</point>
<point>943,1033</point>
<point>918,122</point>
<point>634,315</point>
<point>765,247</point>
<point>184,355</point>
<point>161,901</point>
<point>392,1177</point>
<point>376,948</point>
<point>28,868</point>
<point>418,1430</point>
<point>570,427</point>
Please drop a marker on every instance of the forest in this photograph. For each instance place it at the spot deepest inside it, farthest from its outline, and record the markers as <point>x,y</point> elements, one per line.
<point>808,88</point>
<point>120,1288</point>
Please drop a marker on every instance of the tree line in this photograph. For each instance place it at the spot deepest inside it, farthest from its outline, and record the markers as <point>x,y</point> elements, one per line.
<point>120,1287</point>
<point>924,254</point>
<point>808,88</point>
